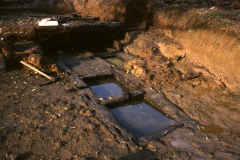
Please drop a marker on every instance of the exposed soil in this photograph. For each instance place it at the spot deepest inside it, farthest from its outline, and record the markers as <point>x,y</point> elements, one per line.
<point>206,30</point>
<point>185,52</point>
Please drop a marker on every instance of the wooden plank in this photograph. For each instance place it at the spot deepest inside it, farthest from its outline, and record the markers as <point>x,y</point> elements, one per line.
<point>89,94</point>
<point>115,99</point>
<point>74,79</point>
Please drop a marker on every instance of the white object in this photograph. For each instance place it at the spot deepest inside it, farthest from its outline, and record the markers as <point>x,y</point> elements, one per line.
<point>46,19</point>
<point>47,22</point>
<point>65,24</point>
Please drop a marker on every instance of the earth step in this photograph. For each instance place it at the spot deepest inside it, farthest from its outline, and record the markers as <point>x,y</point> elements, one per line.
<point>162,103</point>
<point>158,134</point>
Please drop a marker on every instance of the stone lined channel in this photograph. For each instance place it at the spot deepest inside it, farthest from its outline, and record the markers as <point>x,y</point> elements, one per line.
<point>138,116</point>
<point>126,98</point>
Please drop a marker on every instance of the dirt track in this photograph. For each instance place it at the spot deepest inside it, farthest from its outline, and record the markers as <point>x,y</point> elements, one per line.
<point>57,121</point>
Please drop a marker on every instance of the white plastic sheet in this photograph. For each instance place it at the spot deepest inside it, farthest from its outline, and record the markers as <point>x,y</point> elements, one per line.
<point>47,22</point>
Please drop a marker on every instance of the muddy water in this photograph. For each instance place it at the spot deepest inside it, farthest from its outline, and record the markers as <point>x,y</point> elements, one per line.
<point>140,118</point>
<point>212,128</point>
<point>115,61</point>
<point>223,104</point>
<point>107,87</point>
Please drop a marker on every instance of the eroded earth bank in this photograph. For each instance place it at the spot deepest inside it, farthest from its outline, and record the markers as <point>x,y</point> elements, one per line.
<point>180,57</point>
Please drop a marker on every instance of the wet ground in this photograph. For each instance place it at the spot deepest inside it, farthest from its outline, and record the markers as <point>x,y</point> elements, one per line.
<point>71,118</point>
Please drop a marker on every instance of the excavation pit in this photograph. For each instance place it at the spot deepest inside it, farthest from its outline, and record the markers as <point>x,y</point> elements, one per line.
<point>67,120</point>
<point>140,117</point>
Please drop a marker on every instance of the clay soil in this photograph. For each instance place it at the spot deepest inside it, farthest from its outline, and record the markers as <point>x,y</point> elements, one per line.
<point>55,122</point>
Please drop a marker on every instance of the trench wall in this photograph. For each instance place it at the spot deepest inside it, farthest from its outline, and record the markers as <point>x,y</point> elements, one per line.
<point>212,41</point>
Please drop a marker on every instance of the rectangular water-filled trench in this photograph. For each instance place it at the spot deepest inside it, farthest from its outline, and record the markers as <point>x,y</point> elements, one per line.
<point>107,87</point>
<point>138,116</point>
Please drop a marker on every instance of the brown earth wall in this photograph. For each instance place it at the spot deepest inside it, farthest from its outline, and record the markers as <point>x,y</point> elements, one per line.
<point>206,35</point>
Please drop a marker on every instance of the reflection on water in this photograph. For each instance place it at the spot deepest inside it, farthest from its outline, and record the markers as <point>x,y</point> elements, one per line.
<point>107,87</point>
<point>140,118</point>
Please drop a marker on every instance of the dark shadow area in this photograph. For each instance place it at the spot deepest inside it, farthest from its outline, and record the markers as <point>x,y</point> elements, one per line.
<point>24,156</point>
<point>69,7</point>
<point>98,36</point>
<point>137,12</point>
<point>13,2</point>
<point>146,154</point>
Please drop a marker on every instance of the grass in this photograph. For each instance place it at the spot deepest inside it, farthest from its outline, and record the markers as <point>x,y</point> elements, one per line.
<point>214,15</point>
